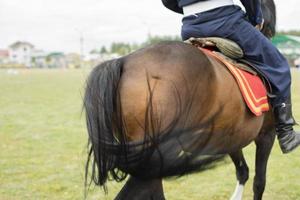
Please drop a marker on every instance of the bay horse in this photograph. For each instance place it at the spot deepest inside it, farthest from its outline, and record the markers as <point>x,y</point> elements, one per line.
<point>167,110</point>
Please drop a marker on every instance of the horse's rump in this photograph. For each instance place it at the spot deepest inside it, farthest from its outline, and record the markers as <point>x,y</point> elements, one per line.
<point>159,109</point>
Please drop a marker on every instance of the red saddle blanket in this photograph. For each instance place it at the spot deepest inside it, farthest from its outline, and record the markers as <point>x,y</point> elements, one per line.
<point>251,86</point>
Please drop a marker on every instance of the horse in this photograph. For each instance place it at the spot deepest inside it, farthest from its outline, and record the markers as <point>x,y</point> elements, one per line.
<point>167,110</point>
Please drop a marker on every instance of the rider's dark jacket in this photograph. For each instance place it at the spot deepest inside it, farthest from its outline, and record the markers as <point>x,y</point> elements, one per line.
<point>253,8</point>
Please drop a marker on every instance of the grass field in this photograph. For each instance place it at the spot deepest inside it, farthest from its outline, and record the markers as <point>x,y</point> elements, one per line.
<point>43,140</point>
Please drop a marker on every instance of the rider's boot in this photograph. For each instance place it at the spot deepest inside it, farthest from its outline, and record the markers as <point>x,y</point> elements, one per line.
<point>284,122</point>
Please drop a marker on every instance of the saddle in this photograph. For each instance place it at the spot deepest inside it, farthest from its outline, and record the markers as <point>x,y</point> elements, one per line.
<point>229,50</point>
<point>253,84</point>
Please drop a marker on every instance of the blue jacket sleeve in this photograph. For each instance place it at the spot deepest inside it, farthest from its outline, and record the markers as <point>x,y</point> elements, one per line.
<point>253,10</point>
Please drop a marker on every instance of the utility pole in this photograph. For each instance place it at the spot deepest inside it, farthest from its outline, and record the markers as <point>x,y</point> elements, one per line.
<point>146,25</point>
<point>81,46</point>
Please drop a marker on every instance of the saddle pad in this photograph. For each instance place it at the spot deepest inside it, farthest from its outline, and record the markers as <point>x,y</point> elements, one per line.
<point>251,86</point>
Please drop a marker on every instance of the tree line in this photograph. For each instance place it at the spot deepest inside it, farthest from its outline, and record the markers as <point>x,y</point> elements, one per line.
<point>291,32</point>
<point>123,48</point>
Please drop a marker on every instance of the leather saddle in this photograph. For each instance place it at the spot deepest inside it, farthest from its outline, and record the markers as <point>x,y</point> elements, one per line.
<point>231,52</point>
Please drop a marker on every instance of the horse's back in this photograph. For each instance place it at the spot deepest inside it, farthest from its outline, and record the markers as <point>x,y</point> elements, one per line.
<point>172,71</point>
<point>177,77</point>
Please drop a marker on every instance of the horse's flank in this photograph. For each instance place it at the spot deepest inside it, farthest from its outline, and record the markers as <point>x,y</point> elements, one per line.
<point>178,71</point>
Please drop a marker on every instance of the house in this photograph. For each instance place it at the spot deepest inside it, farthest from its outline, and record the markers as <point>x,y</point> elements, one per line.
<point>39,58</point>
<point>21,53</point>
<point>73,60</point>
<point>56,60</point>
<point>4,56</point>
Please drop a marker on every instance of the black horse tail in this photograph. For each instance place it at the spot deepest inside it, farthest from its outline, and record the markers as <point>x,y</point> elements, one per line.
<point>101,106</point>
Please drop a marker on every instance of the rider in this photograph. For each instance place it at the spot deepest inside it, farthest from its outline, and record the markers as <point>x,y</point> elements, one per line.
<point>221,18</point>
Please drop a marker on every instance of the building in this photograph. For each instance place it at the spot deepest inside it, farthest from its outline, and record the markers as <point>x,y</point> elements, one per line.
<point>288,45</point>
<point>21,53</point>
<point>56,60</point>
<point>4,56</point>
<point>39,59</point>
<point>73,60</point>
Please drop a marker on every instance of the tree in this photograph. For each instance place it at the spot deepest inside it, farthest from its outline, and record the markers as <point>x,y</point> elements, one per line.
<point>122,48</point>
<point>156,39</point>
<point>103,50</point>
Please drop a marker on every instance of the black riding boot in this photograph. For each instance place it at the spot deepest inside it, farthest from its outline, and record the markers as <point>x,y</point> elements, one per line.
<point>284,122</point>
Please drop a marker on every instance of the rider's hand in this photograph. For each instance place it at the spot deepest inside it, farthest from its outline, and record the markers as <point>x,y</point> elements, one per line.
<point>260,26</point>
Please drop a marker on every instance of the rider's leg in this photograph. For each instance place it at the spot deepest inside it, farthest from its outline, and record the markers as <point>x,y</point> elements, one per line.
<point>229,22</point>
<point>260,50</point>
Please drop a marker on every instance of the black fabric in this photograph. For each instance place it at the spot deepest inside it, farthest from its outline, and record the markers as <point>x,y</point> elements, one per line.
<point>172,5</point>
<point>253,10</point>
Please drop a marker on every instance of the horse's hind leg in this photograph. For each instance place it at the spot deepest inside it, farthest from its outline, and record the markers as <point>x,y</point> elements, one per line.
<point>242,173</point>
<point>137,189</point>
<point>264,144</point>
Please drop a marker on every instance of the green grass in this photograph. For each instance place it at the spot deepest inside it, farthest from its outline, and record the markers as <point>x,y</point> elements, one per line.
<point>43,140</point>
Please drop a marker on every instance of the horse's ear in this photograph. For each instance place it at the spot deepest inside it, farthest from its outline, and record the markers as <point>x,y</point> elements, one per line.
<point>269,14</point>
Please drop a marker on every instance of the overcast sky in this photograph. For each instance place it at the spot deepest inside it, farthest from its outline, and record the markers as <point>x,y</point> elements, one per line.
<point>56,25</point>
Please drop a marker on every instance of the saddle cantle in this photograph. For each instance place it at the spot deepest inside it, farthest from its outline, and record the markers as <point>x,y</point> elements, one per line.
<point>225,46</point>
<point>250,82</point>
<point>228,49</point>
